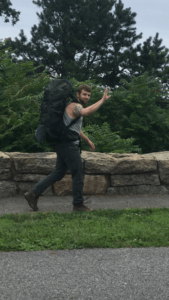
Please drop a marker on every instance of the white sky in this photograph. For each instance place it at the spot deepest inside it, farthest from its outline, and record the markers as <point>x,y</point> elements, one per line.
<point>152,17</point>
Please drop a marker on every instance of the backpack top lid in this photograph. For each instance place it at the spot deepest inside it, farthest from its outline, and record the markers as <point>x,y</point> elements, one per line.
<point>63,84</point>
<point>58,88</point>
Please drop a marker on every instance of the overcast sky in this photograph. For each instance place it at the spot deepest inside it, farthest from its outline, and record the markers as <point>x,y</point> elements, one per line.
<point>152,17</point>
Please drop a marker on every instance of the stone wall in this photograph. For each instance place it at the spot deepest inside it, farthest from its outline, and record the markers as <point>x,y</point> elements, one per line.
<point>105,173</point>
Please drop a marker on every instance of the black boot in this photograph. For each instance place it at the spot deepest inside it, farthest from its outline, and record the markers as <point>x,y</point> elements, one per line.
<point>81,207</point>
<point>32,199</point>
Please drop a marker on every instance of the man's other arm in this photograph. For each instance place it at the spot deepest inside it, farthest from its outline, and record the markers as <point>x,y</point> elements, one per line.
<point>84,137</point>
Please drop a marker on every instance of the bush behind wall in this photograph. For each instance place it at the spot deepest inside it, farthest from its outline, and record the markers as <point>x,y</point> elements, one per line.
<point>129,121</point>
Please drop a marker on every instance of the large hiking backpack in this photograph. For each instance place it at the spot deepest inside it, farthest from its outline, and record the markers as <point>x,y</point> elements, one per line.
<point>52,129</point>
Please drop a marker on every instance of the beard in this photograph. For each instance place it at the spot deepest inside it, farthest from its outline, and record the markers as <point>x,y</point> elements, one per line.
<point>82,102</point>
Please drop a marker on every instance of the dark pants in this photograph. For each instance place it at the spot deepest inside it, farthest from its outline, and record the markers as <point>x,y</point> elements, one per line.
<point>68,158</point>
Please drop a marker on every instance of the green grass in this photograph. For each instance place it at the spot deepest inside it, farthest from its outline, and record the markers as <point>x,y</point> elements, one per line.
<point>98,229</point>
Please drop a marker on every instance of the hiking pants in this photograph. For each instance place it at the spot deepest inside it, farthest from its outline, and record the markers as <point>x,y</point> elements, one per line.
<point>68,158</point>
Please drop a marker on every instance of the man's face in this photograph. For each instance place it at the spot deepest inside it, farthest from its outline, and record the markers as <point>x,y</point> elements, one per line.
<point>84,97</point>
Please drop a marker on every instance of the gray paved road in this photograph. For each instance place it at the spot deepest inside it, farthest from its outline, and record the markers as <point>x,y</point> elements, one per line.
<point>64,204</point>
<point>86,274</point>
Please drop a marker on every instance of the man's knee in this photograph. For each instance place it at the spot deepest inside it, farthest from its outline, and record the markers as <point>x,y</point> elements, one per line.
<point>58,176</point>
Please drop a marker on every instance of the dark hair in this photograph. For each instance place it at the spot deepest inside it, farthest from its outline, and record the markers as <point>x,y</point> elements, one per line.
<point>85,87</point>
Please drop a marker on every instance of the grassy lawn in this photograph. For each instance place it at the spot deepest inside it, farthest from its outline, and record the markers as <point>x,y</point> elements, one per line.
<point>98,229</point>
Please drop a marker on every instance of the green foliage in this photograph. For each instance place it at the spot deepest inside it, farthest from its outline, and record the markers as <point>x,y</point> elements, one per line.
<point>107,141</point>
<point>130,121</point>
<point>20,98</point>
<point>134,111</point>
<point>136,114</point>
<point>153,58</point>
<point>6,11</point>
<point>86,52</point>
<point>103,48</point>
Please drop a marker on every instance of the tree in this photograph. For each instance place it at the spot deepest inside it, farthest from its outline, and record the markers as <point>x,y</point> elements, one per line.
<point>81,38</point>
<point>102,47</point>
<point>135,113</point>
<point>20,96</point>
<point>7,12</point>
<point>152,58</point>
<point>20,99</point>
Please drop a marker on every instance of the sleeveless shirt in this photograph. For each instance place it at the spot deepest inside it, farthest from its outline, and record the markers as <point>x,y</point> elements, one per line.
<point>75,127</point>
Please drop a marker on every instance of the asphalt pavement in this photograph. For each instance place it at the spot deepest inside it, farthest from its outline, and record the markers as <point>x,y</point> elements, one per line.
<point>64,203</point>
<point>85,274</point>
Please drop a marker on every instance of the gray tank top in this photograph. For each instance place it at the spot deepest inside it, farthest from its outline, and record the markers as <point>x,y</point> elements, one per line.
<point>75,127</point>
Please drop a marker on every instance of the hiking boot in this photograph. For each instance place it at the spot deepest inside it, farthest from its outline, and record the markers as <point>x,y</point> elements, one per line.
<point>32,199</point>
<point>81,207</point>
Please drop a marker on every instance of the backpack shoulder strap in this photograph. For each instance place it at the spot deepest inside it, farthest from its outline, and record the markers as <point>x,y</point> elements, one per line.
<point>73,122</point>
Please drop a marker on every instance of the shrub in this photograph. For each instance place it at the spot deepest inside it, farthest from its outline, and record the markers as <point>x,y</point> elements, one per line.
<point>107,141</point>
<point>128,122</point>
<point>136,114</point>
<point>134,111</point>
<point>20,97</point>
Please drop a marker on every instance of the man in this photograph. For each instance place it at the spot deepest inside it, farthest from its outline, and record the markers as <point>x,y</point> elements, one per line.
<point>68,156</point>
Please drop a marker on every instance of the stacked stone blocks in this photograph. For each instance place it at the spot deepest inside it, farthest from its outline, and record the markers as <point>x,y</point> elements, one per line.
<point>105,173</point>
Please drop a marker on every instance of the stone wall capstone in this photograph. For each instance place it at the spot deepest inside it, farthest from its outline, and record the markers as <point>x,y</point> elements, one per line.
<point>105,173</point>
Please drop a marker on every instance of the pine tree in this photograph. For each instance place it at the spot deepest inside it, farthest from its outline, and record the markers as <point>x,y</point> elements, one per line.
<point>153,58</point>
<point>91,39</point>
<point>6,11</point>
<point>79,38</point>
